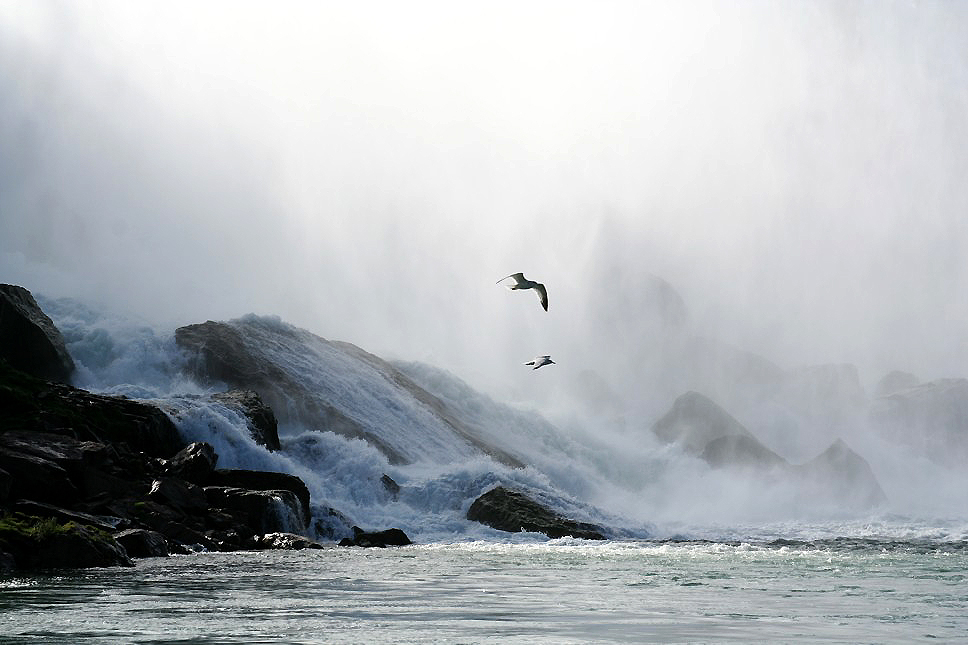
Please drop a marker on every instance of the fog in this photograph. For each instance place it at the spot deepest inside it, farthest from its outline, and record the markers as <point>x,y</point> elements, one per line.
<point>794,171</point>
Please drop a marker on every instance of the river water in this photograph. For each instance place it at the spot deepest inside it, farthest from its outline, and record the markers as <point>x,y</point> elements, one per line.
<point>561,591</point>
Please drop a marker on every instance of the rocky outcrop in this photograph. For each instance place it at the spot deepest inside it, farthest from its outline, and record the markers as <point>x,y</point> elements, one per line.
<point>741,451</point>
<point>389,537</point>
<point>142,543</point>
<point>195,463</point>
<point>508,510</point>
<point>694,421</point>
<point>32,404</point>
<point>261,420</point>
<point>29,341</point>
<point>266,511</point>
<point>930,419</point>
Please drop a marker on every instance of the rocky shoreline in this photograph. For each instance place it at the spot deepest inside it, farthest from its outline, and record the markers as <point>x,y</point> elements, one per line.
<point>88,480</point>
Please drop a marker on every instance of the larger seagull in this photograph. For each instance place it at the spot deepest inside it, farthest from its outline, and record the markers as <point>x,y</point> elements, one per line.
<point>520,282</point>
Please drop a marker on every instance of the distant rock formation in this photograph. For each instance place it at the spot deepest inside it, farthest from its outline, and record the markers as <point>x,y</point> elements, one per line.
<point>508,510</point>
<point>931,419</point>
<point>895,382</point>
<point>694,420</point>
<point>702,428</point>
<point>29,341</point>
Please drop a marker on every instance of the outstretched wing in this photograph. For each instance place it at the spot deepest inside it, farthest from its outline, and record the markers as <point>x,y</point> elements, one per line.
<point>542,295</point>
<point>518,277</point>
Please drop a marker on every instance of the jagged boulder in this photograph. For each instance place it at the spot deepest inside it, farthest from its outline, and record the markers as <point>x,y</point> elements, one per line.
<point>262,422</point>
<point>931,419</point>
<point>178,493</point>
<point>29,341</point>
<point>508,510</point>
<point>260,480</point>
<point>389,537</point>
<point>694,420</point>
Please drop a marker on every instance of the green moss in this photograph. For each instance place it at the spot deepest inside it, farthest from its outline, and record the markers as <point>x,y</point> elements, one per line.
<point>17,526</point>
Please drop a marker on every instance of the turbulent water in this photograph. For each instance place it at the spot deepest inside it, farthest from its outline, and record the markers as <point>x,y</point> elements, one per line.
<point>554,592</point>
<point>692,556</point>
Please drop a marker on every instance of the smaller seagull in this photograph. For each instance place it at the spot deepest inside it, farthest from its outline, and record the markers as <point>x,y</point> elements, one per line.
<point>540,361</point>
<point>520,282</point>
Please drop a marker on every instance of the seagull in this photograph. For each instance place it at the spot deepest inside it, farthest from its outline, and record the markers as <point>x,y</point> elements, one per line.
<point>520,282</point>
<point>541,361</point>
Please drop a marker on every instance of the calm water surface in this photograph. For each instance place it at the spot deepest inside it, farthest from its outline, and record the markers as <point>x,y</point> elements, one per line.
<point>557,592</point>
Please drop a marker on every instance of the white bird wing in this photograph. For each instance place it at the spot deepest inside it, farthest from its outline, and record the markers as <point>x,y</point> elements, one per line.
<point>518,277</point>
<point>542,295</point>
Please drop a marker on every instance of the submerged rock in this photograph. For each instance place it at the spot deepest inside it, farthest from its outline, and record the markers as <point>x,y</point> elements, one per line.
<point>29,341</point>
<point>508,510</point>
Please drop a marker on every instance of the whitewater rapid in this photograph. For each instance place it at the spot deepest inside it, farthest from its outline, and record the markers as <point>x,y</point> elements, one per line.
<point>627,483</point>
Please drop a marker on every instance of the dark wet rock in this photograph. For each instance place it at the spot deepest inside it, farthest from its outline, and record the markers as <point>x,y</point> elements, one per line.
<point>389,537</point>
<point>194,463</point>
<point>841,477</point>
<point>34,405</point>
<point>508,510</point>
<point>266,511</point>
<point>259,480</point>
<point>142,543</point>
<point>286,541</point>
<point>178,493</point>
<point>33,477</point>
<point>262,422</point>
<point>391,487</point>
<point>331,524</point>
<point>44,543</point>
<point>930,419</point>
<point>29,341</point>
<point>741,451</point>
<point>694,421</point>
<point>38,509</point>
<point>5,482</point>
<point>895,382</point>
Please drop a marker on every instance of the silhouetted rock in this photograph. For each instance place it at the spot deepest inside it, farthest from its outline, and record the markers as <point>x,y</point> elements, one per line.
<point>194,463</point>
<point>28,338</point>
<point>44,543</point>
<point>389,537</point>
<point>930,419</point>
<point>142,543</point>
<point>391,487</point>
<point>178,493</point>
<point>694,421</point>
<point>63,515</point>
<point>508,510</point>
<point>262,422</point>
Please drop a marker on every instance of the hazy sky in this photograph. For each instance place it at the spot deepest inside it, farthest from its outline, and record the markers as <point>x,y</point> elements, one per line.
<point>796,170</point>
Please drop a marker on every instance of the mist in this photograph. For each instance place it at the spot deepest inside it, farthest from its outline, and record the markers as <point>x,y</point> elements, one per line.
<point>794,173</point>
